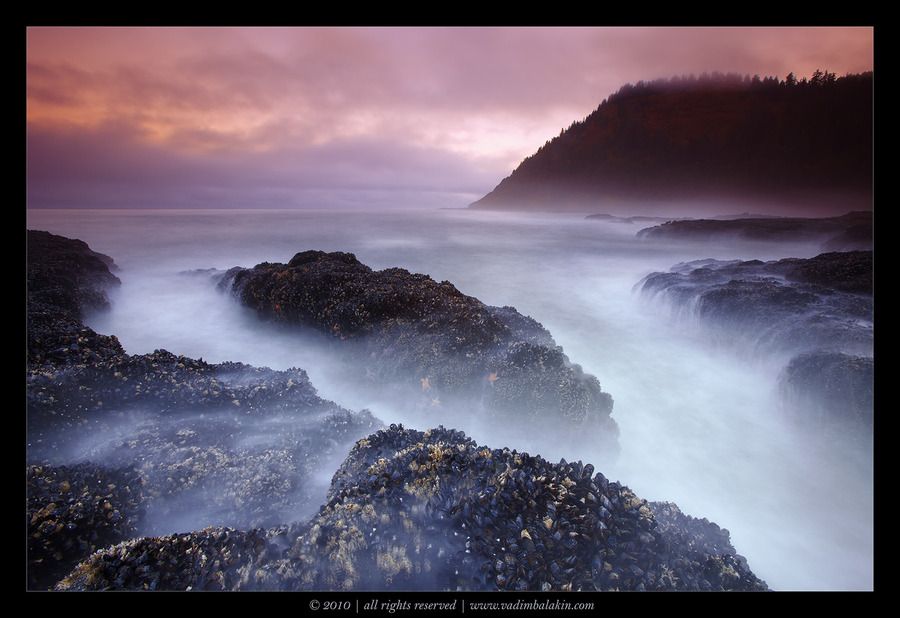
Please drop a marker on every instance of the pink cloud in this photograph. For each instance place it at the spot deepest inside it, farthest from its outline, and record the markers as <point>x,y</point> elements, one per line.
<point>219,111</point>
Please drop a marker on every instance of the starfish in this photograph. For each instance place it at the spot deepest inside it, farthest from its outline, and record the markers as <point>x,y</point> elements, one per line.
<point>425,386</point>
<point>436,401</point>
<point>493,378</point>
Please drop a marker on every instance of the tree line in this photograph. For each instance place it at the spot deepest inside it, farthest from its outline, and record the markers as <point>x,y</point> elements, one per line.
<point>715,78</point>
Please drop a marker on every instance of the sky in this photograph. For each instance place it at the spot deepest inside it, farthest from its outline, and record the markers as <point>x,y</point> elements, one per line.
<point>303,117</point>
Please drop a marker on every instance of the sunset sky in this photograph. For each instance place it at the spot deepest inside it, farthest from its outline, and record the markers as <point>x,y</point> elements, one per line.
<point>348,117</point>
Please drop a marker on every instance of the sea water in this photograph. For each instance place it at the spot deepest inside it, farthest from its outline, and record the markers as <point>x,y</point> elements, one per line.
<point>702,424</point>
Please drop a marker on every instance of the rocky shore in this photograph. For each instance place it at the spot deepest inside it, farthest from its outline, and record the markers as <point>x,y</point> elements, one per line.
<point>852,231</point>
<point>406,509</point>
<point>245,444</point>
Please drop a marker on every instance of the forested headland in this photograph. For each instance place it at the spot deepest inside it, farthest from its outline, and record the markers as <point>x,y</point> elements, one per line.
<point>710,136</point>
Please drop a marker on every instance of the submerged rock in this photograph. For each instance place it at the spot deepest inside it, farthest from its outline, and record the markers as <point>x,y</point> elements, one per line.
<point>411,510</point>
<point>789,305</point>
<point>816,312</point>
<point>429,348</point>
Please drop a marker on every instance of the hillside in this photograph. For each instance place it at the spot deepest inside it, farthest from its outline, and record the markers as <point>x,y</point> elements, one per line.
<point>706,138</point>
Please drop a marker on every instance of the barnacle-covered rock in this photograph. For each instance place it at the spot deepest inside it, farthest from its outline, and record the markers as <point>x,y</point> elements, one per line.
<point>429,347</point>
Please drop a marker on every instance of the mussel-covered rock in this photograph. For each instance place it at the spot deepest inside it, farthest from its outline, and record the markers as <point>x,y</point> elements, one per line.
<point>209,559</point>
<point>411,510</point>
<point>429,347</point>
<point>249,443</point>
<point>73,511</point>
<point>65,281</point>
<point>65,274</point>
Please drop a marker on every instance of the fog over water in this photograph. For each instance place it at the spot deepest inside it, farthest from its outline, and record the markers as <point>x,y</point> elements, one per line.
<point>701,421</point>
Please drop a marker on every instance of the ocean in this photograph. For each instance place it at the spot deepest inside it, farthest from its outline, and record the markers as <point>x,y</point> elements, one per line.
<point>702,423</point>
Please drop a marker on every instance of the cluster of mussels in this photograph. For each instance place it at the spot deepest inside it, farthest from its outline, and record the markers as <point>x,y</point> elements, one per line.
<point>210,559</point>
<point>74,510</point>
<point>433,510</point>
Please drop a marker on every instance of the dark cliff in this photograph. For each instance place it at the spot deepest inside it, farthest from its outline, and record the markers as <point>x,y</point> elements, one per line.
<point>706,138</point>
